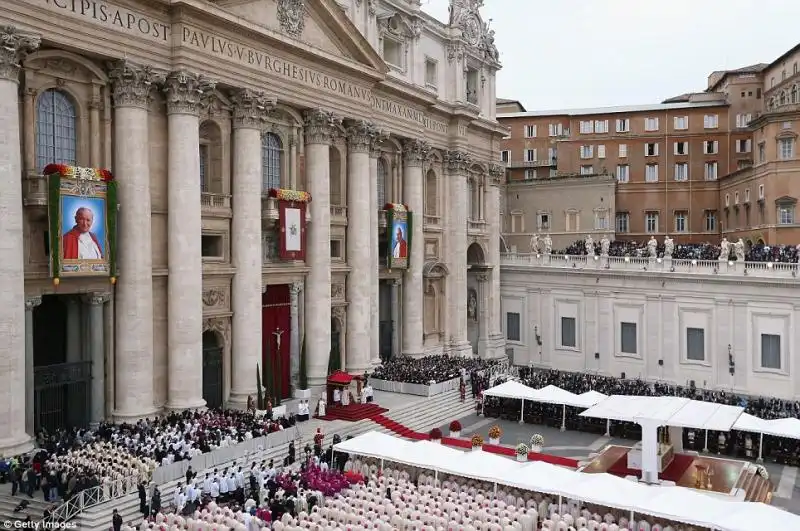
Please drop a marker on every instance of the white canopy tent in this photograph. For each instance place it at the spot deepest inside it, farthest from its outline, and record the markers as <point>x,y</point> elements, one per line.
<point>788,428</point>
<point>511,389</point>
<point>548,395</point>
<point>673,503</point>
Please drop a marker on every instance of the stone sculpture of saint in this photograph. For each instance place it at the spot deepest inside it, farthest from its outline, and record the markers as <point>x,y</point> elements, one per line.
<point>652,247</point>
<point>738,250</point>
<point>605,244</point>
<point>589,244</point>
<point>724,249</point>
<point>548,244</point>
<point>535,243</point>
<point>669,247</point>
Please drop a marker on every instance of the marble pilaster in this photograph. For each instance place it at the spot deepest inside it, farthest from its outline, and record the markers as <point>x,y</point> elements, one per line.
<point>186,93</point>
<point>395,294</point>
<point>484,314</point>
<point>133,360</point>
<point>414,154</point>
<point>13,436</point>
<point>374,331</point>
<point>294,334</point>
<point>97,354</point>
<point>497,176</point>
<point>457,164</point>
<point>320,128</point>
<point>30,421</point>
<point>359,250</point>
<point>250,109</point>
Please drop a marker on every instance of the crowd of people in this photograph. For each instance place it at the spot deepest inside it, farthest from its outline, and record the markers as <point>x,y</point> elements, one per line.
<point>732,443</point>
<point>692,251</point>
<point>429,369</point>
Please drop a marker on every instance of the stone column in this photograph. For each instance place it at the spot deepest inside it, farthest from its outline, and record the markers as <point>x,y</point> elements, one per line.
<point>320,127</point>
<point>97,354</point>
<point>497,175</point>
<point>375,318</point>
<point>95,106</point>
<point>75,339</point>
<point>457,164</point>
<point>30,423</point>
<point>293,160</point>
<point>414,154</point>
<point>484,313</point>
<point>249,112</point>
<point>395,317</point>
<point>359,249</point>
<point>294,334</point>
<point>13,437</point>
<point>185,93</point>
<point>133,358</point>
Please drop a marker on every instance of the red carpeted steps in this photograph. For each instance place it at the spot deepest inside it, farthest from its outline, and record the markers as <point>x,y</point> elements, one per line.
<point>352,412</point>
<point>674,472</point>
<point>466,444</point>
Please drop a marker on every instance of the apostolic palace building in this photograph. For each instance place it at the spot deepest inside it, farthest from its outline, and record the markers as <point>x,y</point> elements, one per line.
<point>191,190</point>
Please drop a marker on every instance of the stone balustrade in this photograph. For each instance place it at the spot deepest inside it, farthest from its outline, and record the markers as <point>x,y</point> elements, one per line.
<point>475,227</point>
<point>215,203</point>
<point>431,221</point>
<point>649,265</point>
<point>338,215</point>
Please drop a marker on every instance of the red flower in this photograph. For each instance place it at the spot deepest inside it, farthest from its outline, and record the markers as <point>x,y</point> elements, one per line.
<point>455,426</point>
<point>105,175</point>
<point>273,192</point>
<point>52,169</point>
<point>436,434</point>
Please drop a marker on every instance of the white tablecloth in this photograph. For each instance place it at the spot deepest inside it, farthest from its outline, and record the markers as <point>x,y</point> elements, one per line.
<point>414,389</point>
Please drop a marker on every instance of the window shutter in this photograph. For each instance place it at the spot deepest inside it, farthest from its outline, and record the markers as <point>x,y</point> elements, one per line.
<point>656,152</point>
<point>534,154</point>
<point>716,146</point>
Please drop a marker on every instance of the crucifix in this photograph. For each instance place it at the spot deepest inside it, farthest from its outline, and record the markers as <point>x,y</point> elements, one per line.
<point>278,333</point>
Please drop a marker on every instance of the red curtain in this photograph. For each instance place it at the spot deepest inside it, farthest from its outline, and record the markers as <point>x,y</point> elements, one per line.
<point>275,316</point>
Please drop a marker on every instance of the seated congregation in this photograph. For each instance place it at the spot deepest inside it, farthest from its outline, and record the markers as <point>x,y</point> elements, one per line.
<point>430,369</point>
<point>734,443</point>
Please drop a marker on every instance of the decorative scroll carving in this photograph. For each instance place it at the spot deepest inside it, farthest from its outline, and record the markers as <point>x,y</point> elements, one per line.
<point>296,288</point>
<point>415,152</point>
<point>482,277</point>
<point>14,46</point>
<point>132,84</point>
<point>213,297</point>
<point>292,16</point>
<point>321,126</point>
<point>96,298</point>
<point>187,93</point>
<point>250,108</point>
<point>457,161</point>
<point>218,325</point>
<point>360,135</point>
<point>32,302</point>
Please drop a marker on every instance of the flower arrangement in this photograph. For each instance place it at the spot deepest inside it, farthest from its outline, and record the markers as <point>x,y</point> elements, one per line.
<point>397,207</point>
<point>477,441</point>
<point>495,432</point>
<point>455,426</point>
<point>78,172</point>
<point>293,196</point>
<point>435,434</point>
<point>522,449</point>
<point>537,440</point>
<point>762,471</point>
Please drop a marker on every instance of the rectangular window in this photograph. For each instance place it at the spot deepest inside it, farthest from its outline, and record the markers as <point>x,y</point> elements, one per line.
<point>623,125</point>
<point>587,170</point>
<point>336,249</point>
<point>710,171</point>
<point>771,351</point>
<point>651,124</point>
<point>743,145</point>
<point>543,221</point>
<point>530,155</point>
<point>786,148</point>
<point>627,338</point>
<point>710,147</point>
<point>586,127</point>
<point>681,148</point>
<point>682,171</point>
<point>761,191</point>
<point>601,126</point>
<point>211,246</point>
<point>587,152</point>
<point>392,52</point>
<point>680,221</point>
<point>681,123</point>
<point>572,221</point>
<point>651,173</point>
<point>711,221</point>
<point>695,344</point>
<point>623,222</point>
<point>601,220</point>
<point>513,326</point>
<point>505,155</point>
<point>568,332</point>
<point>785,214</point>
<point>623,151</point>
<point>651,149</point>
<point>711,121</point>
<point>651,222</point>
<point>747,195</point>
<point>431,73</point>
<point>555,129</point>
<point>205,158</point>
<point>552,155</point>
<point>623,173</point>
<point>743,119</point>
<point>530,174</point>
<point>530,131</point>
<point>762,152</point>
<point>601,152</point>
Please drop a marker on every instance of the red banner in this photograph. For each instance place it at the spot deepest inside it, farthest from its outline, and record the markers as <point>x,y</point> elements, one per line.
<point>292,222</point>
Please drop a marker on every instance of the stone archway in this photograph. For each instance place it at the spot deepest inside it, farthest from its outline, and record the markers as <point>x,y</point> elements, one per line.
<point>213,345</point>
<point>475,255</point>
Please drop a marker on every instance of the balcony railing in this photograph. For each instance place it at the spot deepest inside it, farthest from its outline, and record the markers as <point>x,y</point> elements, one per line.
<point>476,226</point>
<point>215,204</point>
<point>778,109</point>
<point>431,221</point>
<point>646,265</point>
<point>545,163</point>
<point>338,215</point>
<point>34,190</point>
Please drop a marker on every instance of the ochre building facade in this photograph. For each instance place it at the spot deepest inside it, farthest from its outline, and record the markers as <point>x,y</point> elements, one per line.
<point>200,109</point>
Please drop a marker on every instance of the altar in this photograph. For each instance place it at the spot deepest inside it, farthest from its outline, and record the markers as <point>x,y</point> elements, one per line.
<point>666,454</point>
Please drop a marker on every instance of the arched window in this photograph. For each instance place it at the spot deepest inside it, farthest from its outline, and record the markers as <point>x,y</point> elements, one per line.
<point>382,172</point>
<point>271,153</point>
<point>56,132</point>
<point>794,94</point>
<point>783,98</point>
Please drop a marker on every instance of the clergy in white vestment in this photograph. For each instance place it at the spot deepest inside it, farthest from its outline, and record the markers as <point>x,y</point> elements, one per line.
<point>337,397</point>
<point>321,406</point>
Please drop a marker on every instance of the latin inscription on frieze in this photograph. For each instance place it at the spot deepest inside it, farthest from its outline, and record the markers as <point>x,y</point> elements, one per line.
<point>116,18</point>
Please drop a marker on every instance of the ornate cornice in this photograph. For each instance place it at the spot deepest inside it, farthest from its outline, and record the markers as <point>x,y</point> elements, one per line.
<point>457,161</point>
<point>360,135</point>
<point>321,126</point>
<point>251,108</point>
<point>415,152</point>
<point>187,92</point>
<point>14,46</point>
<point>132,84</point>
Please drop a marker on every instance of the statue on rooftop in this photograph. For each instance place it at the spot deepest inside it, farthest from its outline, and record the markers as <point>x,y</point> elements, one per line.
<point>669,246</point>
<point>652,247</point>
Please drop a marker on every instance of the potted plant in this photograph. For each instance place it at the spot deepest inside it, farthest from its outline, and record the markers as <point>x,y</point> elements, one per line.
<point>435,435</point>
<point>455,429</point>
<point>537,442</point>
<point>477,442</point>
<point>522,452</point>
<point>494,434</point>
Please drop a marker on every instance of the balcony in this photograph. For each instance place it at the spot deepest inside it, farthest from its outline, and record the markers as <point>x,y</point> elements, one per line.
<point>476,227</point>
<point>269,209</point>
<point>777,109</point>
<point>215,205</point>
<point>546,163</point>
<point>431,222</point>
<point>338,215</point>
<point>34,191</point>
<point>382,219</point>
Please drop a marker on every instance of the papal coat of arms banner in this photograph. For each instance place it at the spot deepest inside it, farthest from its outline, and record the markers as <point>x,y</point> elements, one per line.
<point>82,212</point>
<point>292,206</point>
<point>398,227</point>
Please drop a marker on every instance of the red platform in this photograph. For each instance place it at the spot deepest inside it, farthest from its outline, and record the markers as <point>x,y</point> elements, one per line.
<point>352,412</point>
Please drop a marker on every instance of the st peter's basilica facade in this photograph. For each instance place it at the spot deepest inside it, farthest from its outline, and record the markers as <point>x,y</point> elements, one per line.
<point>290,176</point>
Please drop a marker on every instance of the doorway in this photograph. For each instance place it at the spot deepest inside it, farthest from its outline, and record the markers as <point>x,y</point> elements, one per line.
<point>212,370</point>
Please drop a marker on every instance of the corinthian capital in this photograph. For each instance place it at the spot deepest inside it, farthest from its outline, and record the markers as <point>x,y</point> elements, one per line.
<point>186,92</point>
<point>377,139</point>
<point>321,126</point>
<point>14,46</point>
<point>457,161</point>
<point>360,135</point>
<point>132,83</point>
<point>497,172</point>
<point>250,108</point>
<point>415,152</point>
